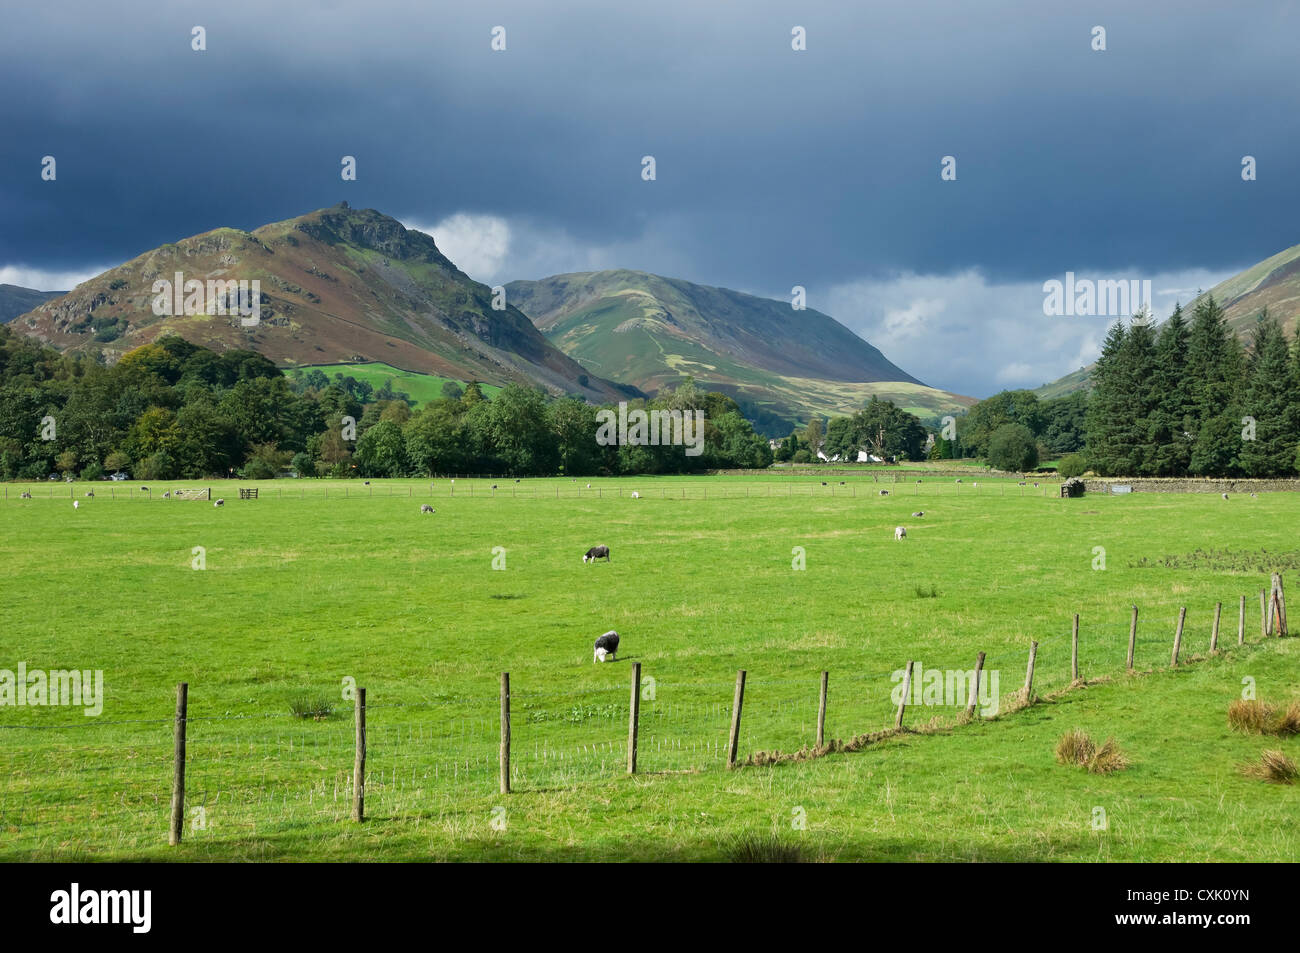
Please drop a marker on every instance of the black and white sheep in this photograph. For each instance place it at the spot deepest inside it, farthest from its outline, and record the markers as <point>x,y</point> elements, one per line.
<point>606,646</point>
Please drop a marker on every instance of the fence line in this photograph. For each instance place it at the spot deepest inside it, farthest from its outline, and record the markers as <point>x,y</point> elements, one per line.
<point>539,488</point>
<point>389,759</point>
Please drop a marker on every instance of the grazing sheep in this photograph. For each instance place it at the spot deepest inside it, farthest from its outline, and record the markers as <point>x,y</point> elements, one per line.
<point>91,494</point>
<point>823,482</point>
<point>959,479</point>
<point>76,504</point>
<point>426,508</point>
<point>218,502</point>
<point>1224,495</point>
<point>597,552</point>
<point>167,495</point>
<point>588,486</point>
<point>636,495</point>
<point>899,532</point>
<point>26,495</point>
<point>884,493</point>
<point>144,489</point>
<point>1252,496</point>
<point>919,513</point>
<point>606,645</point>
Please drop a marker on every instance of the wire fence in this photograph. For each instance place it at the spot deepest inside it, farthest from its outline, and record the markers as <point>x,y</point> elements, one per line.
<point>652,488</point>
<point>106,784</point>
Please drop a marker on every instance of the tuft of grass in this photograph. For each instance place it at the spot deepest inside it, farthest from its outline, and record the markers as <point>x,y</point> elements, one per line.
<point>1254,717</point>
<point>1107,758</point>
<point>923,593</point>
<point>1075,747</point>
<point>762,849</point>
<point>1273,766</point>
<point>317,709</point>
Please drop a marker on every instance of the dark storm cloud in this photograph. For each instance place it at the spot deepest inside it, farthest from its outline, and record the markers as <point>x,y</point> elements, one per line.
<point>774,167</point>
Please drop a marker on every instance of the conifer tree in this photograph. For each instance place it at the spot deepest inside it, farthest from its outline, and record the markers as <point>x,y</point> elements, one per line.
<point>1170,419</point>
<point>1104,417</point>
<point>1272,403</point>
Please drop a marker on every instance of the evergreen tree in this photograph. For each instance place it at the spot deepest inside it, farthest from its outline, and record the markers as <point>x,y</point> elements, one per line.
<point>1171,417</point>
<point>1105,419</point>
<point>1215,366</point>
<point>1269,436</point>
<point>1138,396</point>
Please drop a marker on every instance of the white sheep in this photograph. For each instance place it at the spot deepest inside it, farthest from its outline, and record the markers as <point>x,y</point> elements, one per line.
<point>76,504</point>
<point>899,532</point>
<point>218,502</point>
<point>636,495</point>
<point>426,508</point>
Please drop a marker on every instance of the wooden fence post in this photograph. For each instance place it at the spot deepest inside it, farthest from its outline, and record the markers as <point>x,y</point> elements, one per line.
<point>821,711</point>
<point>1263,615</point>
<point>634,713</point>
<point>1241,623</point>
<point>359,761</point>
<point>1277,606</point>
<point>178,770</point>
<point>902,702</point>
<point>737,702</point>
<point>1074,651</point>
<point>1214,633</point>
<point>1132,637</point>
<point>975,689</point>
<point>1178,635</point>
<point>1029,672</point>
<point>504,756</point>
<point>1281,599</point>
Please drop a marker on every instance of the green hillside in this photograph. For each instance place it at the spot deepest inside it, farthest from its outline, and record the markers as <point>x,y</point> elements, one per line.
<point>780,364</point>
<point>1274,284</point>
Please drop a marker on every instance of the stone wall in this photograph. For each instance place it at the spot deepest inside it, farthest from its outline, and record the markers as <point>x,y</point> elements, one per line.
<point>1192,485</point>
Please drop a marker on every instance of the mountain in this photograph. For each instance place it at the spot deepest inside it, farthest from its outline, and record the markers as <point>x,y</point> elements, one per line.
<point>1274,284</point>
<point>782,366</point>
<point>337,285</point>
<point>15,300</point>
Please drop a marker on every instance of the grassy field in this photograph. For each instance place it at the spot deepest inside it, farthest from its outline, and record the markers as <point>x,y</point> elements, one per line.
<point>421,388</point>
<point>301,590</point>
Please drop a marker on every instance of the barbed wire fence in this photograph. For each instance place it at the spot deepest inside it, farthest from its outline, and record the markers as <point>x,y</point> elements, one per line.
<point>104,784</point>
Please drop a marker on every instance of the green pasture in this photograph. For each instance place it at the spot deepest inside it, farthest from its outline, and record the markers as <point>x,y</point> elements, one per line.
<point>421,387</point>
<point>318,584</point>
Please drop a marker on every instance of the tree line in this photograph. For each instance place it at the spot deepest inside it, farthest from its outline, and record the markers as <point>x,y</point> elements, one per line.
<point>172,409</point>
<point>1185,399</point>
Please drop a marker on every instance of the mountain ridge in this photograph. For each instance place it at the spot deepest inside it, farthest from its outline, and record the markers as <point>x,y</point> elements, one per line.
<point>337,285</point>
<point>781,364</point>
